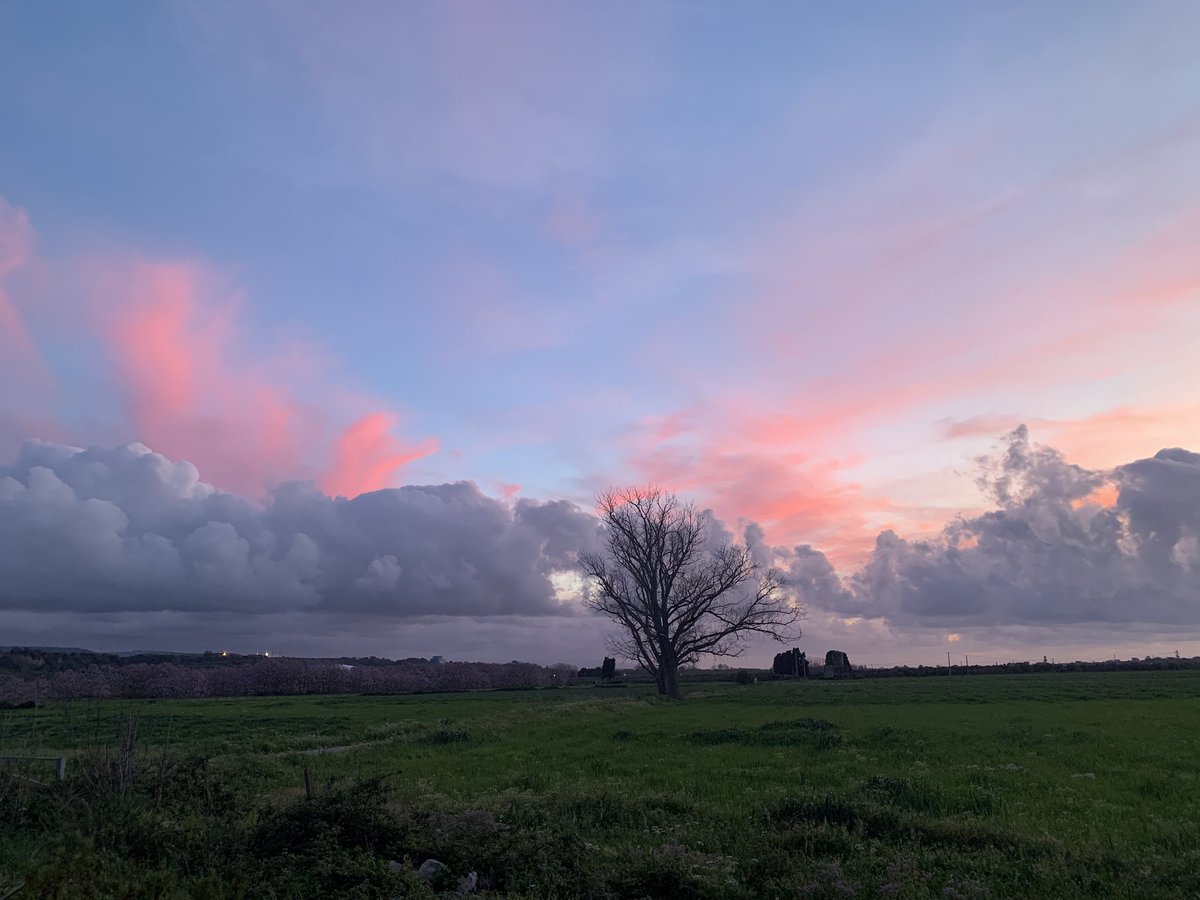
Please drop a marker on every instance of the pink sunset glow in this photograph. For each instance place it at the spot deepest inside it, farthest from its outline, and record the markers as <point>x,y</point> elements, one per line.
<point>367,457</point>
<point>192,384</point>
<point>842,280</point>
<point>241,419</point>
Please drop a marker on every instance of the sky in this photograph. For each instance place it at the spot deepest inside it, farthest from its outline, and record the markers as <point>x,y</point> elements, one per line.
<point>349,310</point>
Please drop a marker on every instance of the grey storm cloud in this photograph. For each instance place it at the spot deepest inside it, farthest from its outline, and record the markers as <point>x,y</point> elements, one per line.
<point>1048,554</point>
<point>126,529</point>
<point>125,542</point>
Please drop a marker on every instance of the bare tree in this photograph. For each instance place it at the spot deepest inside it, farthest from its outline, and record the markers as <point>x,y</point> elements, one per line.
<point>674,596</point>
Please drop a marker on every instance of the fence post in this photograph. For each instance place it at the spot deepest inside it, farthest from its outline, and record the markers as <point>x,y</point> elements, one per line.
<point>60,768</point>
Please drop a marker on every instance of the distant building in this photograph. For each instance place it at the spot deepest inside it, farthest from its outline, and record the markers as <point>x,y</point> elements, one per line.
<point>435,660</point>
<point>837,665</point>
<point>792,663</point>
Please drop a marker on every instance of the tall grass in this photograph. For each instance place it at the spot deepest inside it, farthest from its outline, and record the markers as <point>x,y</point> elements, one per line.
<point>1031,786</point>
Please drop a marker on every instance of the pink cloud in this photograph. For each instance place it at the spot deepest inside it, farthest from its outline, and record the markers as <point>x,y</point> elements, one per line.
<point>938,286</point>
<point>1106,439</point>
<point>368,457</point>
<point>194,390</point>
<point>769,454</point>
<point>1100,440</point>
<point>190,389</point>
<point>980,426</point>
<point>193,385</point>
<point>732,460</point>
<point>779,454</point>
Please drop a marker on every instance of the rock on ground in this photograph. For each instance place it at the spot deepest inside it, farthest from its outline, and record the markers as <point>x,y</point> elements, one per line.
<point>431,869</point>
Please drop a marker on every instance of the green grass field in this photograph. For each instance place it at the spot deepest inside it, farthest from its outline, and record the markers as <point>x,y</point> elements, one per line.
<point>992,786</point>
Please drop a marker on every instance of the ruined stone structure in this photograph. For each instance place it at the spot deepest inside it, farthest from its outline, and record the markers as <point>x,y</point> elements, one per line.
<point>837,665</point>
<point>791,663</point>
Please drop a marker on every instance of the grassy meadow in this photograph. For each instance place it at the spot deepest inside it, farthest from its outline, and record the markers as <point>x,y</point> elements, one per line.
<point>1059,785</point>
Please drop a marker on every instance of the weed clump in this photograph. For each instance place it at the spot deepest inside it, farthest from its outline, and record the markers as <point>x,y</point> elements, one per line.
<point>807,732</point>
<point>721,736</point>
<point>445,736</point>
<point>675,872</point>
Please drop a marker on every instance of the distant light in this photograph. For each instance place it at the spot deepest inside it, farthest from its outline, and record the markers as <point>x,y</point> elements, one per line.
<point>224,652</point>
<point>265,653</point>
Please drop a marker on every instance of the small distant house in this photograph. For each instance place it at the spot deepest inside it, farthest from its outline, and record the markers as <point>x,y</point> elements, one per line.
<point>435,660</point>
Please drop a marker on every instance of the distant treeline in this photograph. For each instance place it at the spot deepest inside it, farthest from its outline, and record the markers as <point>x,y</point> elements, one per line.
<point>45,661</point>
<point>816,671</point>
<point>1148,664</point>
<point>33,675</point>
<point>27,675</point>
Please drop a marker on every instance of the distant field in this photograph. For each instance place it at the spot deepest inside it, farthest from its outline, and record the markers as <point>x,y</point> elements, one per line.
<point>1015,786</point>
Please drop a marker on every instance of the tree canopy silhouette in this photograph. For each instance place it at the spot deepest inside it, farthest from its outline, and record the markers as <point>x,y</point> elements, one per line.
<point>676,595</point>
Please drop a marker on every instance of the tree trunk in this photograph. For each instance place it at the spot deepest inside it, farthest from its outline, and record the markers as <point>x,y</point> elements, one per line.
<point>668,670</point>
<point>670,676</point>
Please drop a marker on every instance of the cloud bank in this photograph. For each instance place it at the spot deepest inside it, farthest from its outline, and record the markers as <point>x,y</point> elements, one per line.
<point>1064,545</point>
<point>128,530</point>
<point>138,542</point>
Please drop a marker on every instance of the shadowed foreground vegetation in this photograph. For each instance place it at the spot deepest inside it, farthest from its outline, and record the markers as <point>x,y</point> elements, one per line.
<point>1002,786</point>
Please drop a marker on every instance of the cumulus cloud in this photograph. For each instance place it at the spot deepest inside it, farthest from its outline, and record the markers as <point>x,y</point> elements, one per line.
<point>128,542</point>
<point>126,529</point>
<point>1057,548</point>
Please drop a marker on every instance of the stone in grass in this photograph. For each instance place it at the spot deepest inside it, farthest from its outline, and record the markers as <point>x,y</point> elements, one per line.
<point>431,870</point>
<point>468,884</point>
